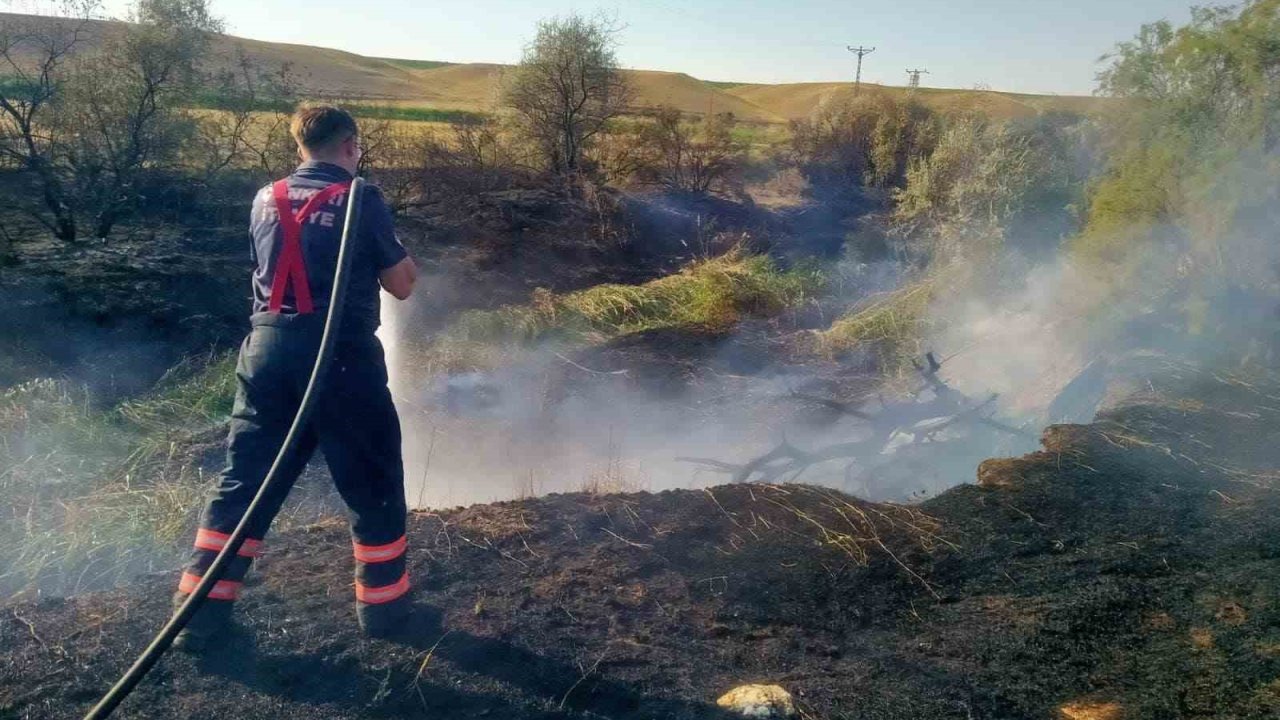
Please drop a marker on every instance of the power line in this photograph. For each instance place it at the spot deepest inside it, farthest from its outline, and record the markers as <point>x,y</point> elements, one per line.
<point>915,78</point>
<point>861,52</point>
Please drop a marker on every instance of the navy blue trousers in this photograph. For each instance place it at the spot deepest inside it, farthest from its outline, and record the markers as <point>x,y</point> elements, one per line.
<point>354,424</point>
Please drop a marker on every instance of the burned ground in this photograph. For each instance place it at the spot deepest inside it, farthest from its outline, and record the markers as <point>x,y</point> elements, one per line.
<point>1126,565</point>
<point>164,290</point>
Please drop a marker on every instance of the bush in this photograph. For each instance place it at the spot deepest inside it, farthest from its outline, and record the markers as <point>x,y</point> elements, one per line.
<point>989,186</point>
<point>689,157</point>
<point>863,141</point>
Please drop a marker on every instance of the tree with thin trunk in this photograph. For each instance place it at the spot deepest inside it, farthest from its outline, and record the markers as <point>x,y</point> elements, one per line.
<point>36,55</point>
<point>87,109</point>
<point>567,88</point>
<point>127,105</point>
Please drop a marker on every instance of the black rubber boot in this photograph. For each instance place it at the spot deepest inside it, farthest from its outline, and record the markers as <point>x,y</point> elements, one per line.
<point>387,620</point>
<point>210,626</point>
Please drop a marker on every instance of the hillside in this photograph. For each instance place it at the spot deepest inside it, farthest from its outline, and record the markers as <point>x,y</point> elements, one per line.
<point>473,86</point>
<point>1103,577</point>
<point>797,100</point>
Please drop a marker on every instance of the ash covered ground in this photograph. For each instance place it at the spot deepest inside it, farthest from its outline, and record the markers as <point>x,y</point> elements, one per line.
<point>1127,569</point>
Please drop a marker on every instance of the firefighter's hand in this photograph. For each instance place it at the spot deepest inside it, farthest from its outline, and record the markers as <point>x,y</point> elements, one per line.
<point>400,278</point>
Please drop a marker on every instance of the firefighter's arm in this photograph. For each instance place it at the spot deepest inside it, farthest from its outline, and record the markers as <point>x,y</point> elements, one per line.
<point>398,272</point>
<point>400,278</point>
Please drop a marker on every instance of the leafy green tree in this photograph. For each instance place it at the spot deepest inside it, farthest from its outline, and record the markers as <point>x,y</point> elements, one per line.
<point>567,88</point>
<point>88,113</point>
<point>1196,146</point>
<point>1187,210</point>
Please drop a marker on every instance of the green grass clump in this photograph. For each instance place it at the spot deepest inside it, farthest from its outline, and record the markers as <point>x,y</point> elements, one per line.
<point>711,294</point>
<point>92,496</point>
<point>194,393</point>
<point>410,113</point>
<point>890,327</point>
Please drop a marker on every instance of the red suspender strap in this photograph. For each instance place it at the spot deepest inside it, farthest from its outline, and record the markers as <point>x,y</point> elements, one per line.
<point>290,255</point>
<point>290,265</point>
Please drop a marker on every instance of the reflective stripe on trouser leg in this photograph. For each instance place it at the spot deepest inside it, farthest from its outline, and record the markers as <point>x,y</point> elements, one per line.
<point>215,613</point>
<point>360,435</point>
<point>209,542</point>
<point>382,582</point>
<point>201,559</point>
<point>207,539</point>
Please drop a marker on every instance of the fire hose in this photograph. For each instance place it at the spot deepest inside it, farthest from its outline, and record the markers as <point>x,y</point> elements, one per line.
<point>333,321</point>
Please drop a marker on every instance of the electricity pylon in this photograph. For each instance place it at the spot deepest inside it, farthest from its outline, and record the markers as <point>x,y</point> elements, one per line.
<point>861,52</point>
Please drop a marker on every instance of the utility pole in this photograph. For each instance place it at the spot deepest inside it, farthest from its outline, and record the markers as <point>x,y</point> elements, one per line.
<point>861,52</point>
<point>915,78</point>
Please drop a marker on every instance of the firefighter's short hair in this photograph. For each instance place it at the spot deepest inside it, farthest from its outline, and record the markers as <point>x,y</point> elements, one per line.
<point>321,127</point>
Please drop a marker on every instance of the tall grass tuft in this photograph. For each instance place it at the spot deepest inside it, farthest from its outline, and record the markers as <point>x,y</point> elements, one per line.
<point>92,496</point>
<point>712,294</point>
<point>888,329</point>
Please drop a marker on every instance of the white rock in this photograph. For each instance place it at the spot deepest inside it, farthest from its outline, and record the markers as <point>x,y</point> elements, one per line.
<point>759,701</point>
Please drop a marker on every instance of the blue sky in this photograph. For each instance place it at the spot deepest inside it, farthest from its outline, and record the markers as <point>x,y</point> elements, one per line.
<point>1016,45</point>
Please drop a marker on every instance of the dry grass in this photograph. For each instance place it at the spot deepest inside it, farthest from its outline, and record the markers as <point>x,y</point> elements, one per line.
<point>91,496</point>
<point>795,101</point>
<point>1091,711</point>
<point>861,530</point>
<point>615,476</point>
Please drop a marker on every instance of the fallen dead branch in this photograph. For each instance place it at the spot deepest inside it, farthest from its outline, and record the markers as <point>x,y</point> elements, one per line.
<point>933,409</point>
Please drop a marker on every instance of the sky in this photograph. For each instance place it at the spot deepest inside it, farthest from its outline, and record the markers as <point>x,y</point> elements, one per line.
<point>1045,46</point>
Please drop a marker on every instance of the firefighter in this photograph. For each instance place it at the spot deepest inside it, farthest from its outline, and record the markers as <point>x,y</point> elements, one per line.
<point>296,227</point>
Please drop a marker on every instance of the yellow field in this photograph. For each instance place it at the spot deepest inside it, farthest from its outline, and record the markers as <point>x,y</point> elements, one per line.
<point>474,87</point>
<point>797,100</point>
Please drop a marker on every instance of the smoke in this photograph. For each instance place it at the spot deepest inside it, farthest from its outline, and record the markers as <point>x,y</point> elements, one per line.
<point>1024,331</point>
<point>1044,336</point>
<point>551,423</point>
<point>1025,342</point>
<point>1202,289</point>
<point>40,337</point>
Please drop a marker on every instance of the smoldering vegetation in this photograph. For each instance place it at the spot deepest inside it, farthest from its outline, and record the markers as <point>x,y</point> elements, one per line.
<point>1029,256</point>
<point>695,295</point>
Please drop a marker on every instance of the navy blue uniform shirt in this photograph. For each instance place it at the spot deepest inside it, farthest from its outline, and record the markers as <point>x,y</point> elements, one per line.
<point>375,245</point>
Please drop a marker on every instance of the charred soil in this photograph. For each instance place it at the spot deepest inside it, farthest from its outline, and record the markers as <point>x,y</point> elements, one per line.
<point>1129,567</point>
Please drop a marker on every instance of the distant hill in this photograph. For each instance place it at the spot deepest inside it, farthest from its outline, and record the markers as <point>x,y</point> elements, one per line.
<point>474,86</point>
<point>793,101</point>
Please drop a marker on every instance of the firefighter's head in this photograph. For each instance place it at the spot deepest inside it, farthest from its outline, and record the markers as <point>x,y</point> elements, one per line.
<point>327,134</point>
